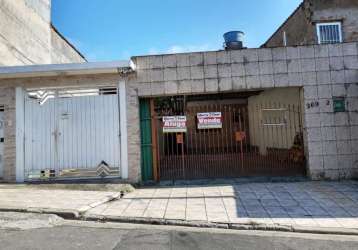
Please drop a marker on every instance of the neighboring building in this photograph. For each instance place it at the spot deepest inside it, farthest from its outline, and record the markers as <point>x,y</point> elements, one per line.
<point>318,22</point>
<point>27,36</point>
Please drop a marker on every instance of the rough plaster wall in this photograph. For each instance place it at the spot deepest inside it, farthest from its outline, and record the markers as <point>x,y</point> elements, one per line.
<point>133,130</point>
<point>62,52</point>
<point>41,7</point>
<point>349,24</point>
<point>300,28</point>
<point>7,98</point>
<point>24,35</point>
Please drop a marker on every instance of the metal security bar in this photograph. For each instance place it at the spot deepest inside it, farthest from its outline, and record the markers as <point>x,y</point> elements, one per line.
<point>252,140</point>
<point>329,33</point>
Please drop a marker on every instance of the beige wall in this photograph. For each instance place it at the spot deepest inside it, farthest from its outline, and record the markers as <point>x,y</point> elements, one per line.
<point>281,137</point>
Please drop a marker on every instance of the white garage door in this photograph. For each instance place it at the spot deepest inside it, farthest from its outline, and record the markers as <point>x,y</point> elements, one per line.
<point>72,133</point>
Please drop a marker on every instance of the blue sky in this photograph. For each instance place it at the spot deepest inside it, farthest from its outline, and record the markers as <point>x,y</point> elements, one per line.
<point>117,29</point>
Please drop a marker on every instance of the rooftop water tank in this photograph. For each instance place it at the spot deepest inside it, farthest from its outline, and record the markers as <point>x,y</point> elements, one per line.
<point>233,40</point>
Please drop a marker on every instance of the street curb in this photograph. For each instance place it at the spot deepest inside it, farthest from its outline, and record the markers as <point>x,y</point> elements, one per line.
<point>76,215</point>
<point>204,224</point>
<point>108,198</point>
<point>64,213</point>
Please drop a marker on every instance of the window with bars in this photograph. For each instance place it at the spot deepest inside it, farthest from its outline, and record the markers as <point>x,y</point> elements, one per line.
<point>328,33</point>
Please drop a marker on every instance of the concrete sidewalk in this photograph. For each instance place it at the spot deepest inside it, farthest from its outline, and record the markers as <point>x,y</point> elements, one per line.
<point>70,203</point>
<point>326,207</point>
<point>316,205</point>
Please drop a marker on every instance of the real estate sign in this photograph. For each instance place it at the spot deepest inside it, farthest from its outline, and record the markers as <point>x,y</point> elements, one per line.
<point>174,124</point>
<point>209,120</point>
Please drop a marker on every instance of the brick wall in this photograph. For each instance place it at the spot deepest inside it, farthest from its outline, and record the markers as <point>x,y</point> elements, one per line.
<point>300,26</point>
<point>7,98</point>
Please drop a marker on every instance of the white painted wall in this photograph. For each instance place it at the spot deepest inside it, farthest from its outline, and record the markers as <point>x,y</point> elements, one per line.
<point>72,133</point>
<point>20,134</point>
<point>123,129</point>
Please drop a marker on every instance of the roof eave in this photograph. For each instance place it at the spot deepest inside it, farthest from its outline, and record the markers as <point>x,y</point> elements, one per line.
<point>53,70</point>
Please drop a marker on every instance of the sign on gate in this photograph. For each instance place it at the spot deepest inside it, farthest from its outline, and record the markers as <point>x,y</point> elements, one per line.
<point>174,124</point>
<point>240,136</point>
<point>209,120</point>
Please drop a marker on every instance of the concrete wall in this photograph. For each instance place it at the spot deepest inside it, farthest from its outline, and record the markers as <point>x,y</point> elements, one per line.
<point>26,37</point>
<point>62,51</point>
<point>300,27</point>
<point>321,71</point>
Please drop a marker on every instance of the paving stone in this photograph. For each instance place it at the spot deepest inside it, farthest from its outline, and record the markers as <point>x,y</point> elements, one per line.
<point>276,211</point>
<point>247,195</point>
<point>154,213</point>
<point>270,202</point>
<point>196,215</point>
<point>316,211</point>
<point>175,214</point>
<point>296,211</point>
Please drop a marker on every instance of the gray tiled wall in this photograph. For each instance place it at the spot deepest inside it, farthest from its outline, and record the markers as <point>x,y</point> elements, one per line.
<point>323,71</point>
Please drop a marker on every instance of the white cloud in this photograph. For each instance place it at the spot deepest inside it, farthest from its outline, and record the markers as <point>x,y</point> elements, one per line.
<point>181,49</point>
<point>188,48</point>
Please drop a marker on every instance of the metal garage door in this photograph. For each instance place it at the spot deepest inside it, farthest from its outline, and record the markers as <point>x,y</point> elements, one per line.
<point>72,133</point>
<point>220,136</point>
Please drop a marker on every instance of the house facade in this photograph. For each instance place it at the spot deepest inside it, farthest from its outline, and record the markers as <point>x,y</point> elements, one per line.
<point>270,111</point>
<point>318,22</point>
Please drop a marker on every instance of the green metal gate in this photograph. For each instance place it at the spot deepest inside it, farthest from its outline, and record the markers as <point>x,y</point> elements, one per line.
<point>146,140</point>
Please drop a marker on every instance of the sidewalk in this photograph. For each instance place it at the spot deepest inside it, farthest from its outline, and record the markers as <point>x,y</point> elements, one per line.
<point>317,206</point>
<point>68,203</point>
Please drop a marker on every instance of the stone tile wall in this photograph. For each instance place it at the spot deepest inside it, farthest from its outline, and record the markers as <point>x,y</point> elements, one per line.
<point>322,71</point>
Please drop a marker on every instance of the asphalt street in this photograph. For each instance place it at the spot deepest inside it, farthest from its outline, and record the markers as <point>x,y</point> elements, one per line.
<point>32,231</point>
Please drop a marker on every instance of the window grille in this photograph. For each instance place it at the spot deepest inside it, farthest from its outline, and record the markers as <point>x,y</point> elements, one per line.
<point>329,33</point>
